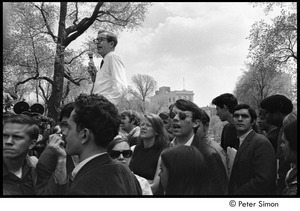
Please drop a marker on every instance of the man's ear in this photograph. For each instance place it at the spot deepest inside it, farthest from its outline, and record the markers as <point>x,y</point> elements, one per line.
<point>112,43</point>
<point>85,133</point>
<point>32,144</point>
<point>196,123</point>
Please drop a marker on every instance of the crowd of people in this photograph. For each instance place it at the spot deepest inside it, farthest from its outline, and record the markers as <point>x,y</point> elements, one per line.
<point>92,152</point>
<point>95,149</point>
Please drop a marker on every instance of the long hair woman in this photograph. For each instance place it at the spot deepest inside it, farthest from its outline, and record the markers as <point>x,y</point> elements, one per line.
<point>153,139</point>
<point>183,171</point>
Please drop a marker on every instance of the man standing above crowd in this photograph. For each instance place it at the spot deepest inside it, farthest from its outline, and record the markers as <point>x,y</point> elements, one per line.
<point>111,78</point>
<point>93,124</point>
<point>20,133</point>
<point>225,104</point>
<point>254,167</point>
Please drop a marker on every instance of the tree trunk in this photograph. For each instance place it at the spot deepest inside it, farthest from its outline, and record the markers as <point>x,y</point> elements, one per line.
<point>58,78</point>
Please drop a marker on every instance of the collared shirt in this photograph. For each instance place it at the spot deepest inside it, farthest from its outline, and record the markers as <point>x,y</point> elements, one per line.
<point>82,163</point>
<point>111,78</point>
<point>188,143</point>
<point>242,137</point>
<point>133,136</point>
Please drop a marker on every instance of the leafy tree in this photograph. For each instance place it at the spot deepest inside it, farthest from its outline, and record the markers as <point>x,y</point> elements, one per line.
<point>272,57</point>
<point>145,86</point>
<point>276,41</point>
<point>260,82</point>
<point>71,19</point>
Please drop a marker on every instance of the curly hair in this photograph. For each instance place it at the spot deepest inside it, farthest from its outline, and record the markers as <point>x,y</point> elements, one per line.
<point>99,115</point>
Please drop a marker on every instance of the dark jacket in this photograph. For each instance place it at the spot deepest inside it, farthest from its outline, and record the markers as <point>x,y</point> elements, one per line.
<point>229,136</point>
<point>218,183</point>
<point>13,185</point>
<point>254,167</point>
<point>104,176</point>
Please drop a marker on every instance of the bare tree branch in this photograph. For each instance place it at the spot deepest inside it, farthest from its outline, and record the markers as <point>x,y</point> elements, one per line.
<point>76,57</point>
<point>83,25</point>
<point>46,22</point>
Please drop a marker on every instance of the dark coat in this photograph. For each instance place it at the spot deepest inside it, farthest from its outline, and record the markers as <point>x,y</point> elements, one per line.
<point>104,176</point>
<point>218,184</point>
<point>229,136</point>
<point>254,167</point>
<point>13,185</point>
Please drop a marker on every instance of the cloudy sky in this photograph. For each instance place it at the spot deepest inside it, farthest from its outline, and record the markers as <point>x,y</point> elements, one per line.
<point>200,47</point>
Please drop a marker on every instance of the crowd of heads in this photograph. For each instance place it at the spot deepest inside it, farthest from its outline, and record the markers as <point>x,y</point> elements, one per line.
<point>183,168</point>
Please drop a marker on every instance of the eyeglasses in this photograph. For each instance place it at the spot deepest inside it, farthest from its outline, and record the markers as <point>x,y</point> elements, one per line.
<point>99,40</point>
<point>115,153</point>
<point>181,115</point>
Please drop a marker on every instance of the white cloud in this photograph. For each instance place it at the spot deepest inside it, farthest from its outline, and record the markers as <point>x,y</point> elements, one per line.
<point>204,43</point>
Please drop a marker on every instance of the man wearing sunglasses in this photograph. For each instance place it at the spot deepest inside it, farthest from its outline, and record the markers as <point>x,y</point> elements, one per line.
<point>186,117</point>
<point>111,78</point>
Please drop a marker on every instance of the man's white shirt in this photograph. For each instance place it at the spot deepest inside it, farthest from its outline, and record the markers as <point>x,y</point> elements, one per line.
<point>111,78</point>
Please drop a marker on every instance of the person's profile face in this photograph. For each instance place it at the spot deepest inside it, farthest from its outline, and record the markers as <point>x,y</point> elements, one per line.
<point>221,113</point>
<point>126,125</point>
<point>104,46</point>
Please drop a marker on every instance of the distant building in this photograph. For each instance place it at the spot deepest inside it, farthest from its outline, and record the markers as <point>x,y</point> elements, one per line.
<point>164,97</point>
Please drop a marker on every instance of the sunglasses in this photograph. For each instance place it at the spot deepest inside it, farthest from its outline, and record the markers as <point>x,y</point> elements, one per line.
<point>115,153</point>
<point>181,115</point>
